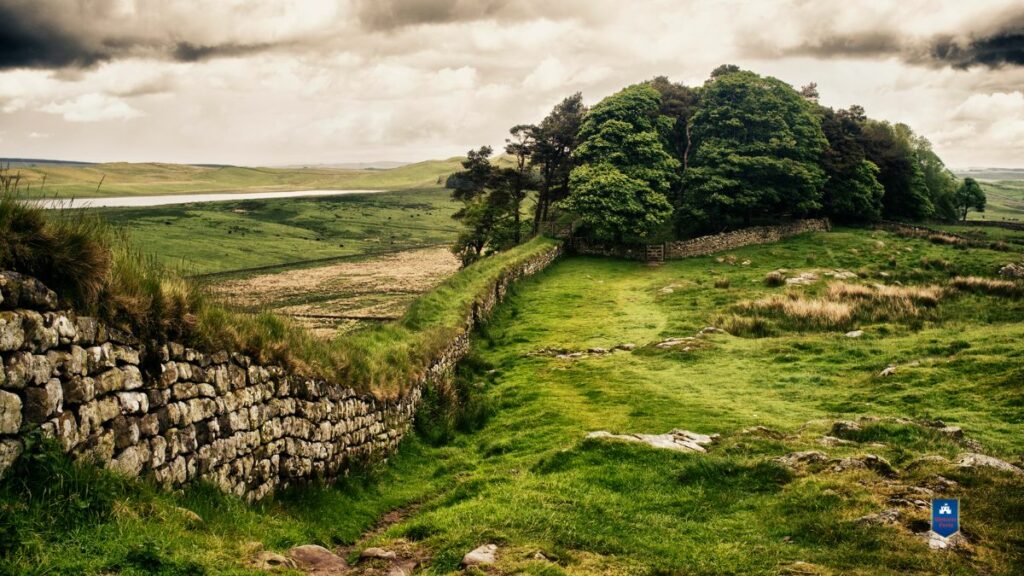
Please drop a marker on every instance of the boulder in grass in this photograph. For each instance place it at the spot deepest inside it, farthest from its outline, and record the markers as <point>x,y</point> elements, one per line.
<point>482,556</point>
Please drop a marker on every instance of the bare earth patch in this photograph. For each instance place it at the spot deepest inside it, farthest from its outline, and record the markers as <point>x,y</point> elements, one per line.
<point>335,297</point>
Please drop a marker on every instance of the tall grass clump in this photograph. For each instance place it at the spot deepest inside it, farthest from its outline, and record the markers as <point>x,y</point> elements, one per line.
<point>991,286</point>
<point>68,250</point>
<point>803,313</point>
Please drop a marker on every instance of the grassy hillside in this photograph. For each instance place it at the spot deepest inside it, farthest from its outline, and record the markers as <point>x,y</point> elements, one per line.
<point>222,236</point>
<point>521,475</point>
<point>1004,201</point>
<point>126,179</point>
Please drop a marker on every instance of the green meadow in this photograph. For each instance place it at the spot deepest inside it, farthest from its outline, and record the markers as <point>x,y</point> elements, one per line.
<point>153,179</point>
<point>517,471</point>
<point>1004,201</point>
<point>225,236</point>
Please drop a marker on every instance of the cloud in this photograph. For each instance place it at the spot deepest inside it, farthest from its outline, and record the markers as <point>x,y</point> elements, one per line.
<point>975,39</point>
<point>92,108</point>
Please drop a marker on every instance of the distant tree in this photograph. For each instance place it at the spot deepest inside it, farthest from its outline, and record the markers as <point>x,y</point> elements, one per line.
<point>890,148</point>
<point>553,142</point>
<point>969,196</point>
<point>473,179</point>
<point>757,147</point>
<point>940,182</point>
<point>623,172</point>
<point>678,103</point>
<point>512,184</point>
<point>852,192</point>
<point>724,69</point>
<point>810,92</point>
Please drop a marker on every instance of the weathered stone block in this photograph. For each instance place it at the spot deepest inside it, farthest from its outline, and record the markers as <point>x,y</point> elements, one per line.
<point>133,402</point>
<point>78,390</point>
<point>86,328</point>
<point>10,413</point>
<point>20,291</point>
<point>112,380</point>
<point>149,425</point>
<point>126,432</point>
<point>99,358</point>
<point>12,331</point>
<point>64,326</point>
<point>126,355</point>
<point>43,402</point>
<point>131,461</point>
<point>10,449</point>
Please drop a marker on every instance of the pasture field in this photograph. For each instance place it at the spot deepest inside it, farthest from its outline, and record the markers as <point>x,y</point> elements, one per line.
<point>1004,201</point>
<point>219,237</point>
<point>555,363</point>
<point>152,179</point>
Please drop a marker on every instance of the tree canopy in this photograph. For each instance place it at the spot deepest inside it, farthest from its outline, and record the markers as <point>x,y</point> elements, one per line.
<point>660,159</point>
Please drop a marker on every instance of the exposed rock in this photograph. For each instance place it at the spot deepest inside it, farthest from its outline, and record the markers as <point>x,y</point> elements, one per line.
<point>190,516</point>
<point>481,556</point>
<point>888,516</point>
<point>936,542</point>
<point>854,334</point>
<point>266,560</point>
<point>678,440</point>
<point>833,441</point>
<point>12,332</point>
<point>629,346</point>
<point>888,370</point>
<point>1012,270</point>
<point>803,278</point>
<point>843,428</point>
<point>598,351</point>
<point>972,460</point>
<point>318,561</point>
<point>764,432</point>
<point>403,568</point>
<point>374,553</point>
<point>869,461</point>
<point>954,432</point>
<point>798,459</point>
<point>842,274</point>
<point>711,330</point>
<point>804,569</point>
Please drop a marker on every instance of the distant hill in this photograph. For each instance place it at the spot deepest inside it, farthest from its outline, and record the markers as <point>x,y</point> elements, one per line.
<point>86,180</point>
<point>991,173</point>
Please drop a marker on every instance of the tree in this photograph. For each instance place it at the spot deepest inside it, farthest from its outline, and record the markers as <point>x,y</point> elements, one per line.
<point>516,181</point>
<point>940,182</point>
<point>613,207</point>
<point>890,148</point>
<point>969,196</point>
<point>554,141</point>
<point>623,171</point>
<point>852,192</point>
<point>757,150</point>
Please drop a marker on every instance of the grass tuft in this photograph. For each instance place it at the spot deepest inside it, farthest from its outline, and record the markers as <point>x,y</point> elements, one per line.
<point>991,286</point>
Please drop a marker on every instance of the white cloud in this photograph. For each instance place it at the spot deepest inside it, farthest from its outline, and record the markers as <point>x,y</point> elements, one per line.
<point>92,108</point>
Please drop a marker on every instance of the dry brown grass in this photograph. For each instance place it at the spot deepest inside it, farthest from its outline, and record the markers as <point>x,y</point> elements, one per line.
<point>774,278</point>
<point>900,296</point>
<point>992,286</point>
<point>807,313</point>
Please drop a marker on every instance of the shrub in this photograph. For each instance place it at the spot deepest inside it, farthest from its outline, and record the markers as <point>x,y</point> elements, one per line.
<point>774,278</point>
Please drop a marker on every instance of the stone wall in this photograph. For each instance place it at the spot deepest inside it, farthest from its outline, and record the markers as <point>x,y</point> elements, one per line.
<point>176,414</point>
<point>705,245</point>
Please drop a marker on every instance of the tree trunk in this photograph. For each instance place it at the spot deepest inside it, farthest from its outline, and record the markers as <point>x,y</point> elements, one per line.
<point>686,153</point>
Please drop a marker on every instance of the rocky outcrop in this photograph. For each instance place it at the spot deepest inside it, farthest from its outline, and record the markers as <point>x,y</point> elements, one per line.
<point>176,414</point>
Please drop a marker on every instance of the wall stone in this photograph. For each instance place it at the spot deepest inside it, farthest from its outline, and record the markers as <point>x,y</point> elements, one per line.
<point>704,245</point>
<point>176,414</point>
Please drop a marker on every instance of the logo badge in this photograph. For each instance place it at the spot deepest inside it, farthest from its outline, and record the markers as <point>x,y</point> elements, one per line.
<point>946,517</point>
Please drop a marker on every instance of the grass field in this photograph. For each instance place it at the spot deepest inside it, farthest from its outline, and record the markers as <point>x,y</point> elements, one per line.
<point>527,480</point>
<point>225,236</point>
<point>152,179</point>
<point>1004,201</point>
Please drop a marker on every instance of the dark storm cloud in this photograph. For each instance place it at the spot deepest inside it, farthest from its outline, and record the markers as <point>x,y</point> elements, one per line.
<point>31,37</point>
<point>999,43</point>
<point>55,34</point>
<point>384,15</point>
<point>1003,46</point>
<point>188,52</point>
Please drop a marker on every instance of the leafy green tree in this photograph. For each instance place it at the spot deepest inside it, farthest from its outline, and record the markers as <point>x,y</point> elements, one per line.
<point>614,207</point>
<point>969,196</point>
<point>623,172</point>
<point>852,192</point>
<point>553,143</point>
<point>890,148</point>
<point>940,182</point>
<point>757,151</point>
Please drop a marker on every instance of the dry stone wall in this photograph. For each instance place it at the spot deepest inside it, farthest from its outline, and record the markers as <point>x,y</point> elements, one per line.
<point>177,414</point>
<point>705,245</point>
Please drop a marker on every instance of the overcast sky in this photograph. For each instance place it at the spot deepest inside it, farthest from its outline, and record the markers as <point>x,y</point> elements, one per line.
<point>270,82</point>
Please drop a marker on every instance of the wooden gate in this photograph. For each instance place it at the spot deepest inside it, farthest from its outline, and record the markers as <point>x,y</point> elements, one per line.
<point>655,252</point>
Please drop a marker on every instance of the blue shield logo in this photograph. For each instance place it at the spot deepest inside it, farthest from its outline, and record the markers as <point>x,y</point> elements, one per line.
<point>946,516</point>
